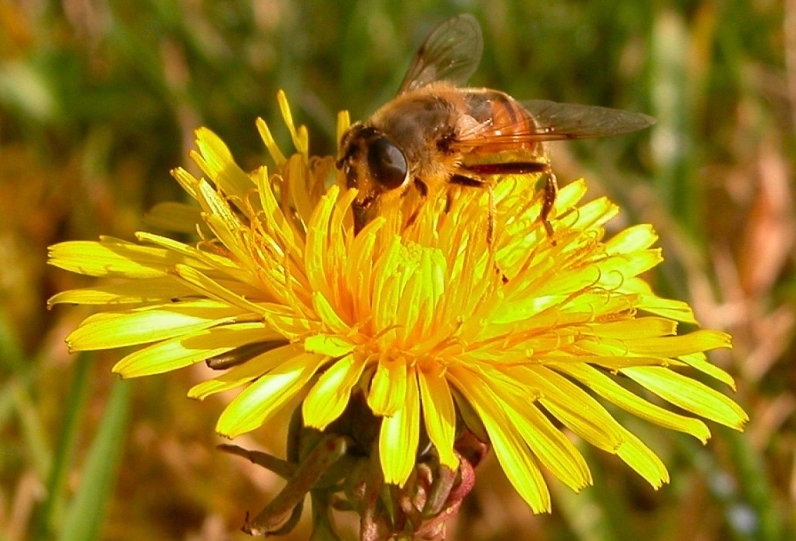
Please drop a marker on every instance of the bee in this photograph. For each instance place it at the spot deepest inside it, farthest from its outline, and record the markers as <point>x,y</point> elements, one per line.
<point>437,132</point>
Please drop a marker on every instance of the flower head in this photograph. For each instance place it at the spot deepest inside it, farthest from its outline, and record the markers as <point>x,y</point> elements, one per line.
<point>438,326</point>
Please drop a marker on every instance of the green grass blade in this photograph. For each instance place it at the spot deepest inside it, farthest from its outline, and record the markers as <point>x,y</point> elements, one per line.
<point>757,490</point>
<point>85,515</point>
<point>63,455</point>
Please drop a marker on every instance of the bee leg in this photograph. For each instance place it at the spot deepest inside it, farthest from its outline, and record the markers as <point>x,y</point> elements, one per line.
<point>449,198</point>
<point>550,192</point>
<point>422,190</point>
<point>490,231</point>
<point>360,213</point>
<point>463,180</point>
<point>523,168</point>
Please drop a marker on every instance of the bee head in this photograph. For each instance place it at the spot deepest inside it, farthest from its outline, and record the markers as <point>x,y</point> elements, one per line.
<point>373,164</point>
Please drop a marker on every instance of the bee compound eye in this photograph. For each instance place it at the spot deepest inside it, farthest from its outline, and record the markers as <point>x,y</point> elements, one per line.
<point>387,163</point>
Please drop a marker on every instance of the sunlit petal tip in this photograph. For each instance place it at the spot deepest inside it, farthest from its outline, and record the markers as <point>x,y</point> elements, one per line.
<point>299,135</point>
<point>270,143</point>
<point>343,123</point>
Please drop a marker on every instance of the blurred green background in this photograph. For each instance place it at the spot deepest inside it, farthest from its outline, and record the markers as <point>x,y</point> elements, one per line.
<point>98,100</point>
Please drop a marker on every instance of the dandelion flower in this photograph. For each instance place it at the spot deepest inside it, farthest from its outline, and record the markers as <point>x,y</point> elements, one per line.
<point>436,325</point>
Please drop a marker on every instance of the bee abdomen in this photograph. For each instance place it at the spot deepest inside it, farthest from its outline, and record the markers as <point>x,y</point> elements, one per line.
<point>499,110</point>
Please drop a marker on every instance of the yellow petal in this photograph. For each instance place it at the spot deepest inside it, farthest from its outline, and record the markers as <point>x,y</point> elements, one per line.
<point>699,361</point>
<point>389,386</point>
<point>248,371</point>
<point>264,397</point>
<point>399,436</point>
<point>299,137</point>
<point>187,181</point>
<point>571,194</point>
<point>270,143</point>
<point>186,350</point>
<point>675,346</point>
<point>343,123</point>
<point>197,258</point>
<point>328,315</point>
<point>636,328</point>
<point>677,310</point>
<point>612,363</point>
<point>328,398</point>
<point>287,322</point>
<point>439,415</point>
<point>548,444</point>
<point>329,345</point>
<point>594,213</point>
<point>510,449</point>
<point>215,290</point>
<point>112,257</point>
<point>297,167</point>
<point>572,406</point>
<point>217,162</point>
<point>615,270</point>
<point>643,460</point>
<point>616,394</point>
<point>689,394</point>
<point>283,230</point>
<point>634,238</point>
<point>220,216</point>
<point>145,290</point>
<point>319,265</point>
<point>150,324</point>
<point>360,267</point>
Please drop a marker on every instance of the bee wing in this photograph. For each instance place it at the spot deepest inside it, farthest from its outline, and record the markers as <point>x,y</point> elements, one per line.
<point>551,121</point>
<point>451,52</point>
<point>577,121</point>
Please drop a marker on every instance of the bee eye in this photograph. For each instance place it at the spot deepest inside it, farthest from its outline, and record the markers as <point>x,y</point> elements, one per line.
<point>387,163</point>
